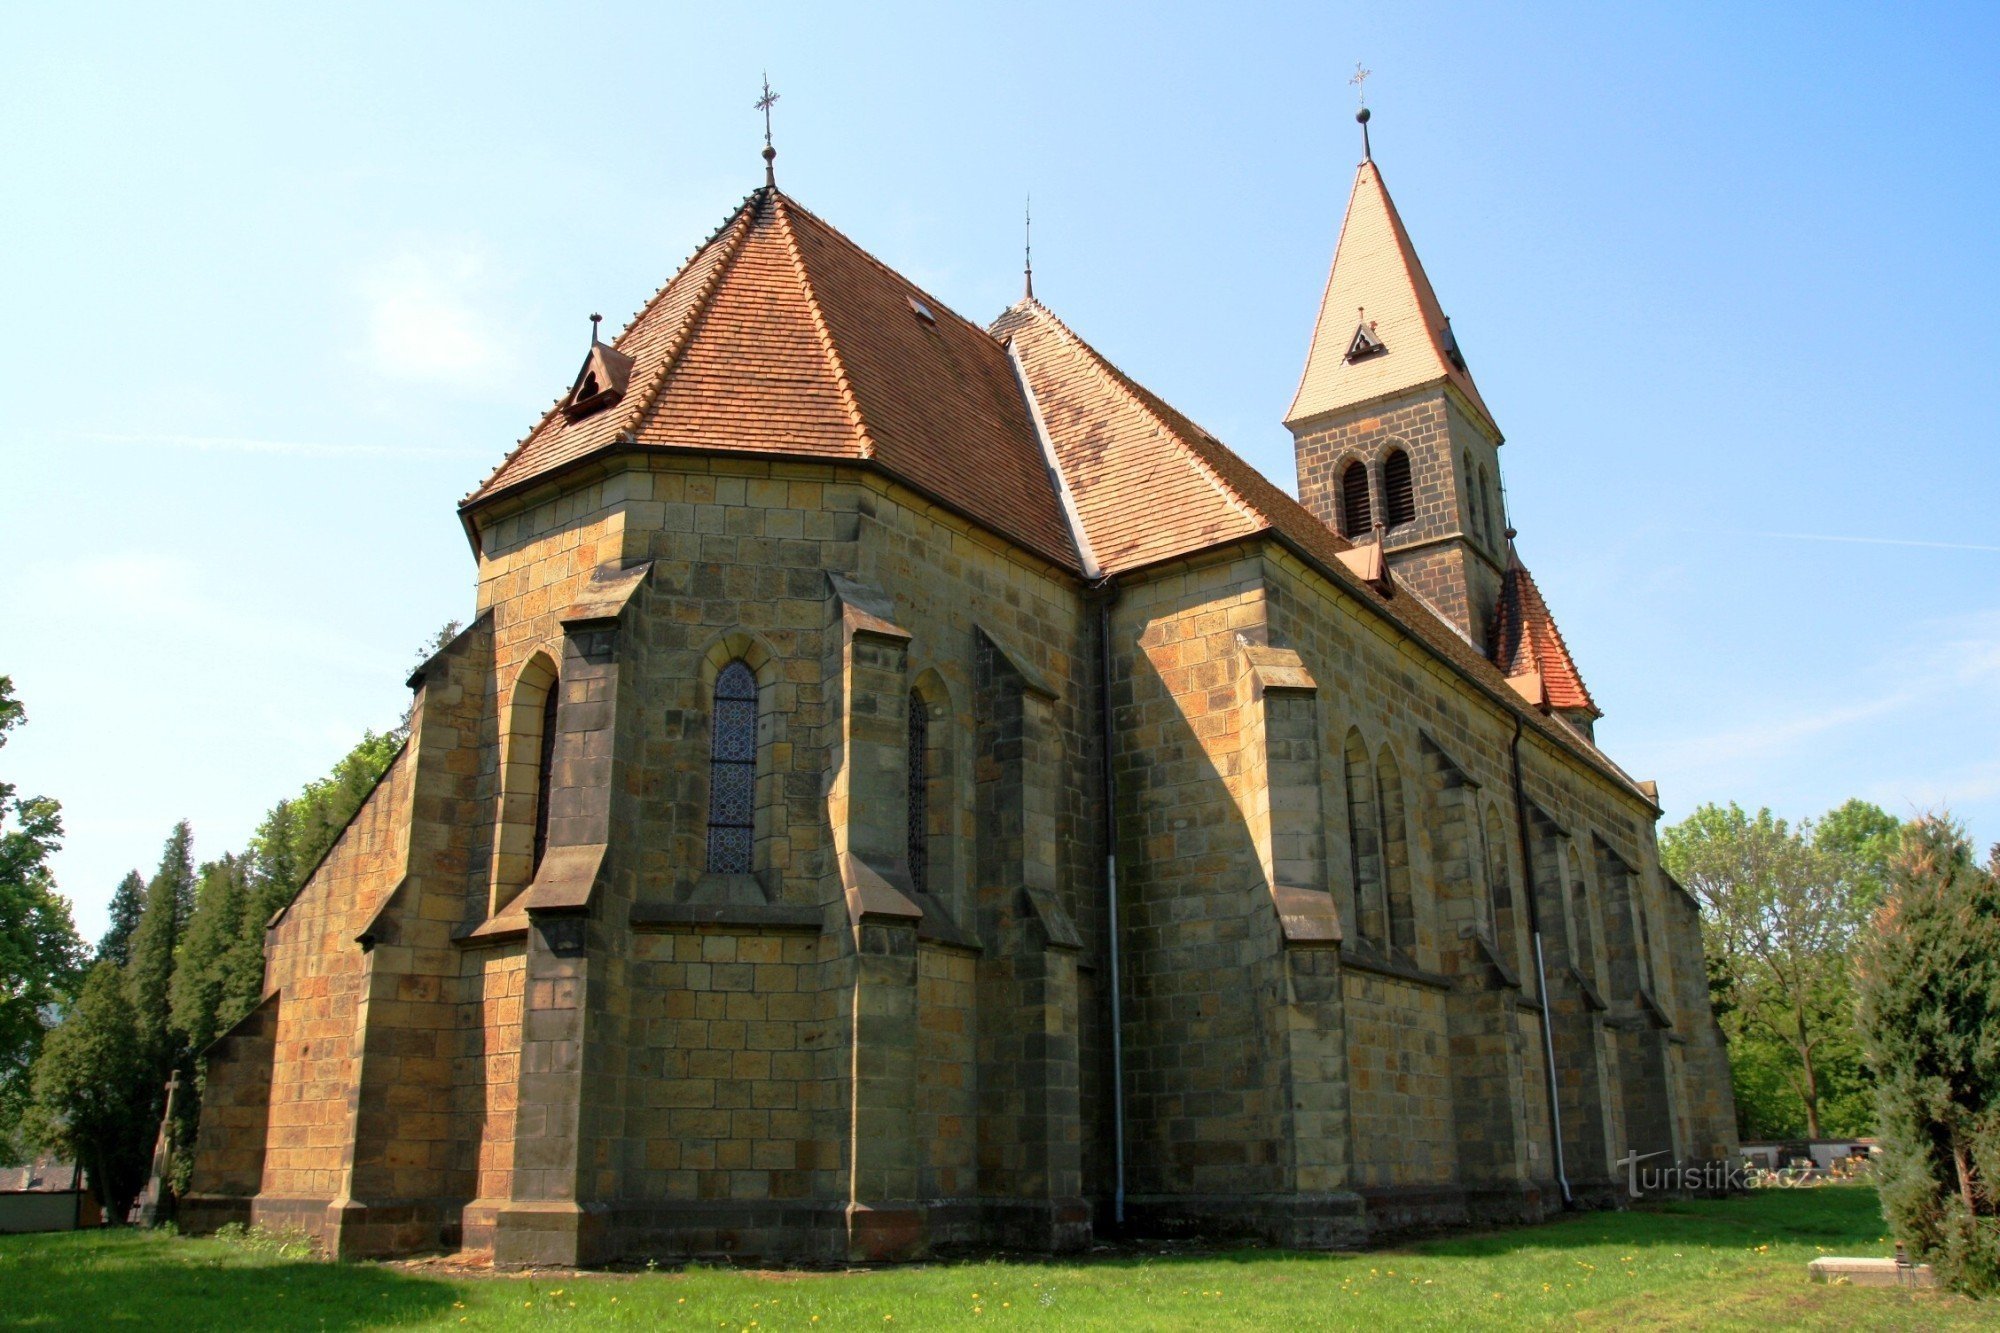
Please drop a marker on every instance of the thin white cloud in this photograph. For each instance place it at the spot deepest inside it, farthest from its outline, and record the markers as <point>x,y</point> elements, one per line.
<point>237,444</point>
<point>1962,658</point>
<point>431,317</point>
<point>1876,541</point>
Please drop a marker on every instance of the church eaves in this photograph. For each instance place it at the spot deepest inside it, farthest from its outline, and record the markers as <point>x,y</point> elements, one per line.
<point>781,337</point>
<point>1381,331</point>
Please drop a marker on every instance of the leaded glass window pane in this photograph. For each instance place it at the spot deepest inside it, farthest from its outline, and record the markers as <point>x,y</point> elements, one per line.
<point>732,771</point>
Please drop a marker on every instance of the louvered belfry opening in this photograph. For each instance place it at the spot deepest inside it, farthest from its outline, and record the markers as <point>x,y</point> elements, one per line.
<point>1399,492</point>
<point>1356,516</point>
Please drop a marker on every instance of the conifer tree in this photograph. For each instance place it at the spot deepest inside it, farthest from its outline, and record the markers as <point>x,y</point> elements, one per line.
<point>128,902</point>
<point>201,980</point>
<point>1928,979</point>
<point>155,944</point>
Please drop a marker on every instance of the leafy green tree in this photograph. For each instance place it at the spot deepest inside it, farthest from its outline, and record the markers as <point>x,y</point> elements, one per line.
<point>41,957</point>
<point>1779,914</point>
<point>1928,979</point>
<point>128,902</point>
<point>94,1099</point>
<point>1868,838</point>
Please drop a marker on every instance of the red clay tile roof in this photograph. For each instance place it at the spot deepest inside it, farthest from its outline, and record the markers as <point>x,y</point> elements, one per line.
<point>781,336</point>
<point>1525,638</point>
<point>1193,492</point>
<point>1376,274</point>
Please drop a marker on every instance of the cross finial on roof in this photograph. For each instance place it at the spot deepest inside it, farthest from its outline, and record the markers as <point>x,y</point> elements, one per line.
<point>1360,85</point>
<point>1028,247</point>
<point>764,104</point>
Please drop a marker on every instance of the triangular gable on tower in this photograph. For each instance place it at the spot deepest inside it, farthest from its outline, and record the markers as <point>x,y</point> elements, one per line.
<point>1378,283</point>
<point>1529,649</point>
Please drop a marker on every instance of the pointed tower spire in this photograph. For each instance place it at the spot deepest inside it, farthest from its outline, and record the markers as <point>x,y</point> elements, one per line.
<point>1375,267</point>
<point>1387,423</point>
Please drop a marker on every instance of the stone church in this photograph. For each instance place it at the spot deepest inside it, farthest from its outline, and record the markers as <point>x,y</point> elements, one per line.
<point>908,787</point>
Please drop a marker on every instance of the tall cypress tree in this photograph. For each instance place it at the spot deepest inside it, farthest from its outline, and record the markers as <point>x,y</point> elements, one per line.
<point>1928,978</point>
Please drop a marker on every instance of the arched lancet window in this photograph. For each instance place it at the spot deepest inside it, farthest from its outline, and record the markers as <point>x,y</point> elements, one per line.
<point>545,767</point>
<point>1492,529</point>
<point>1585,949</point>
<point>920,794</point>
<point>1399,493</point>
<point>732,771</point>
<point>1364,852</point>
<point>1402,920</point>
<point>1500,885</point>
<point>1357,516</point>
<point>1475,487</point>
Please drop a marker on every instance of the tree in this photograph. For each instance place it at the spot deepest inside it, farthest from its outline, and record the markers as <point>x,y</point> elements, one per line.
<point>201,983</point>
<point>1779,914</point>
<point>1868,837</point>
<point>128,901</point>
<point>41,957</point>
<point>93,1091</point>
<point>157,946</point>
<point>1928,980</point>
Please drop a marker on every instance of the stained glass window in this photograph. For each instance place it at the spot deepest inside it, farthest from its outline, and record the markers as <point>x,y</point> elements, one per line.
<point>920,794</point>
<point>732,772</point>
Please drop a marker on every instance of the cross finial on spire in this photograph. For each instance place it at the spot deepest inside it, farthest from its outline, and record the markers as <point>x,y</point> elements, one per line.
<point>1360,85</point>
<point>1028,247</point>
<point>764,104</point>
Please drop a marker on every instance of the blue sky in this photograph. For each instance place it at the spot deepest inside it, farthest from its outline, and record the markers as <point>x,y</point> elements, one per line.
<point>284,282</point>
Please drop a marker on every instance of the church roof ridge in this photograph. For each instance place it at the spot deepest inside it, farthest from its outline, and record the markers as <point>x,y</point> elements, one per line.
<point>1154,408</point>
<point>1382,288</point>
<point>1270,511</point>
<point>783,337</point>
<point>734,222</point>
<point>827,346</point>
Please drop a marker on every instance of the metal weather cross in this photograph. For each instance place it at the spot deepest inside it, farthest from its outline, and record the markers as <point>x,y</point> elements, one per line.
<point>764,104</point>
<point>769,99</point>
<point>1359,83</point>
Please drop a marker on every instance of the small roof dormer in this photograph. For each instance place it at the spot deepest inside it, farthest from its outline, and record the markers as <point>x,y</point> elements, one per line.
<point>602,379</point>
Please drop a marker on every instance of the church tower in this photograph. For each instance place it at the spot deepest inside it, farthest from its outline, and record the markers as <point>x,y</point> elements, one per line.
<point>1392,437</point>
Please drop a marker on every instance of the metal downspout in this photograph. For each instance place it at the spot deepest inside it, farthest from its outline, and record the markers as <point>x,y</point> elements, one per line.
<point>1109,795</point>
<point>1541,964</point>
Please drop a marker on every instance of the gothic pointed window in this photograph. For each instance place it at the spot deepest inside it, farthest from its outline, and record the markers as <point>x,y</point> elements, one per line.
<point>1356,515</point>
<point>920,795</point>
<point>1399,494</point>
<point>545,769</point>
<point>732,771</point>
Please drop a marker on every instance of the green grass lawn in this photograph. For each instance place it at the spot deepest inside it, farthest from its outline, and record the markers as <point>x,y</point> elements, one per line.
<point>1729,1264</point>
